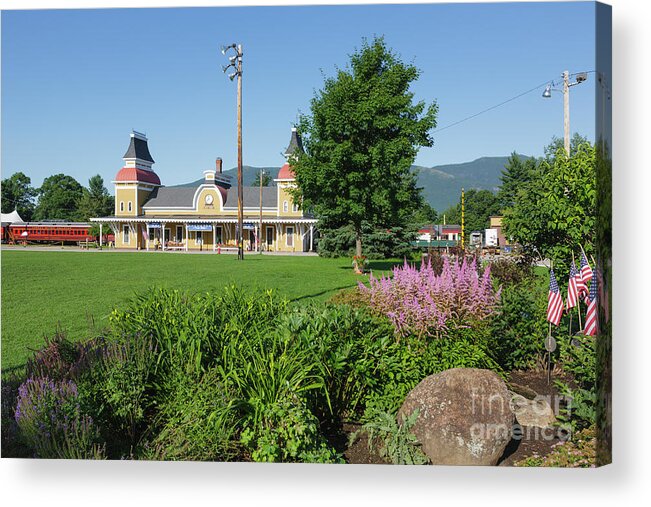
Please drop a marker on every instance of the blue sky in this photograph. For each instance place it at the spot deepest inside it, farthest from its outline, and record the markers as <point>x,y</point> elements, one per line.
<point>75,82</point>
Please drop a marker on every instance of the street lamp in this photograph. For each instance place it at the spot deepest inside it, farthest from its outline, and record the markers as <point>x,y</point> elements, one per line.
<point>235,61</point>
<point>580,77</point>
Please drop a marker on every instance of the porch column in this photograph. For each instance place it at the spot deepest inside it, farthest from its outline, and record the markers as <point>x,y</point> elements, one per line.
<point>214,237</point>
<point>100,234</point>
<point>147,239</point>
<point>162,236</point>
<point>187,237</point>
<point>311,237</point>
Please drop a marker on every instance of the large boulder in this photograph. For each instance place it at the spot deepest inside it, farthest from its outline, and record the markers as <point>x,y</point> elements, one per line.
<point>464,416</point>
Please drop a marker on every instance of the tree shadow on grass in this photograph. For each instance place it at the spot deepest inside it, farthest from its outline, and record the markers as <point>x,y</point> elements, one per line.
<point>380,265</point>
<point>317,294</point>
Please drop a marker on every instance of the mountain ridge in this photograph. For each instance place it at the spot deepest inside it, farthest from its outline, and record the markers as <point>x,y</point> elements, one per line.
<point>441,184</point>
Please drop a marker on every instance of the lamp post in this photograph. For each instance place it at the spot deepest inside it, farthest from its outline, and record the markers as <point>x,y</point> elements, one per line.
<point>580,77</point>
<point>236,62</point>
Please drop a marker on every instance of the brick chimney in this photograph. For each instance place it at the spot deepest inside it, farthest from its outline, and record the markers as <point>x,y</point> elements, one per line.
<point>218,165</point>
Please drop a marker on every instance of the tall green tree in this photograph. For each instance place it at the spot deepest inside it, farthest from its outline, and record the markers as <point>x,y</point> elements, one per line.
<point>59,198</point>
<point>360,140</point>
<point>480,205</point>
<point>517,173</point>
<point>555,212</point>
<point>266,179</point>
<point>557,143</point>
<point>95,200</point>
<point>18,194</point>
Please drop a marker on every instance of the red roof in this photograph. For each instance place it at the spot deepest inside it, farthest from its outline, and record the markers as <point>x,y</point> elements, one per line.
<point>134,174</point>
<point>286,173</point>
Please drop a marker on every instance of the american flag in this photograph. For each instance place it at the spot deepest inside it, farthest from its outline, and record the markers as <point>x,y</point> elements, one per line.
<point>591,315</point>
<point>573,288</point>
<point>554,301</point>
<point>586,271</point>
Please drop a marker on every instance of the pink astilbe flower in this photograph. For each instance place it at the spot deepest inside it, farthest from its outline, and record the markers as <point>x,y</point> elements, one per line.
<point>419,302</point>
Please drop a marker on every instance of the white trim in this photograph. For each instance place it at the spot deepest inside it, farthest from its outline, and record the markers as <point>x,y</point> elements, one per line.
<point>221,220</point>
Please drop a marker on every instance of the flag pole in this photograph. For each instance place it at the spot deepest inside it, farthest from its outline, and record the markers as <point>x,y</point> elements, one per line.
<point>578,302</point>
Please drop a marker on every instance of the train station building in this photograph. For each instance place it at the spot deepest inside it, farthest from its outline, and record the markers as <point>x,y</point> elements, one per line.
<point>203,215</point>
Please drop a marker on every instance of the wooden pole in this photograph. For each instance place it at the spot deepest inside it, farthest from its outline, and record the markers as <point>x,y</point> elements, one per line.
<point>566,110</point>
<point>260,231</point>
<point>240,189</point>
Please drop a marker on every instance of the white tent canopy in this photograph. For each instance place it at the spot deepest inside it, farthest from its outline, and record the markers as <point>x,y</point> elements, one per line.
<point>11,218</point>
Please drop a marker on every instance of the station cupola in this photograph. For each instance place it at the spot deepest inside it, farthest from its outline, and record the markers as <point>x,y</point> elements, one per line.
<point>137,162</point>
<point>294,149</point>
<point>136,181</point>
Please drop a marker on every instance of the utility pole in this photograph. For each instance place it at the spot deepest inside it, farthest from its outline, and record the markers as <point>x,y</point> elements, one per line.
<point>260,231</point>
<point>240,188</point>
<point>236,62</point>
<point>566,110</point>
<point>580,78</point>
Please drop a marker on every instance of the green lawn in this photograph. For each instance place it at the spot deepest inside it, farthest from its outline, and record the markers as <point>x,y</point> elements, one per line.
<point>41,290</point>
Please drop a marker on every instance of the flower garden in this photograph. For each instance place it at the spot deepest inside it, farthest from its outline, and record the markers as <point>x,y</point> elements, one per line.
<point>246,375</point>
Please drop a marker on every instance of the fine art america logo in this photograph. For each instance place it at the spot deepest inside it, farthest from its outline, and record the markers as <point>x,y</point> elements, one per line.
<point>535,419</point>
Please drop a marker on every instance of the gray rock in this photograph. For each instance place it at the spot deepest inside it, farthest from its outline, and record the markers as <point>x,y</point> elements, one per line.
<point>536,412</point>
<point>464,416</point>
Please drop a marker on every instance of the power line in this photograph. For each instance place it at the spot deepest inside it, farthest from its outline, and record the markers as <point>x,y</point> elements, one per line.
<point>491,108</point>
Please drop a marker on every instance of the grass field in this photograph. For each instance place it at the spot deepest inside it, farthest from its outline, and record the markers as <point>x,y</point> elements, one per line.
<point>78,290</point>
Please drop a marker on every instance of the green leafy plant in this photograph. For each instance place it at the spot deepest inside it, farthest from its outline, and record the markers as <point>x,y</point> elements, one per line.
<point>516,334</point>
<point>117,387</point>
<point>287,432</point>
<point>578,356</point>
<point>197,422</point>
<point>391,440</point>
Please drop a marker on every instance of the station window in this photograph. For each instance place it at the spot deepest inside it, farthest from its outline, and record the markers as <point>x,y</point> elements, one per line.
<point>125,234</point>
<point>121,205</point>
<point>289,236</point>
<point>129,205</point>
<point>285,206</point>
<point>295,207</point>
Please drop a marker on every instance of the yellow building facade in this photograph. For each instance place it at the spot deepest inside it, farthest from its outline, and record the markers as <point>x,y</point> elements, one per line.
<point>203,215</point>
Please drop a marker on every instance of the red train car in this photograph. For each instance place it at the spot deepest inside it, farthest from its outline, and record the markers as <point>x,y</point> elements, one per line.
<point>50,232</point>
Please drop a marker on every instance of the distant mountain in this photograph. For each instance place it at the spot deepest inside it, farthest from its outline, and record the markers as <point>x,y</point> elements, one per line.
<point>250,173</point>
<point>441,184</point>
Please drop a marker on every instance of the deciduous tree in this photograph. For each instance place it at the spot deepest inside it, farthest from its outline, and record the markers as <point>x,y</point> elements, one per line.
<point>59,198</point>
<point>18,194</point>
<point>555,212</point>
<point>360,140</point>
